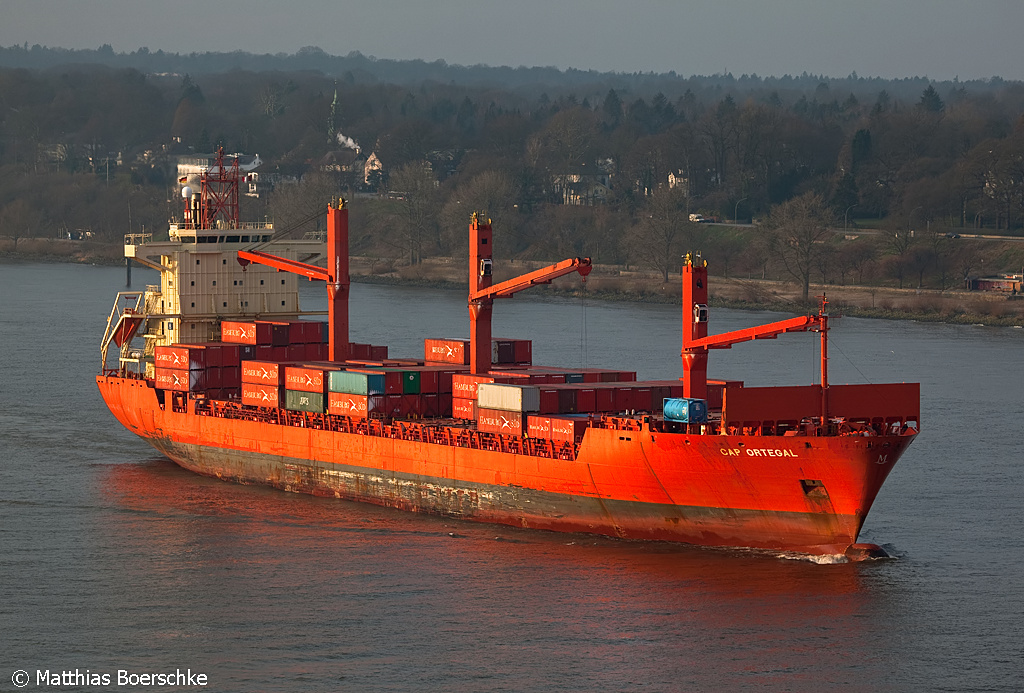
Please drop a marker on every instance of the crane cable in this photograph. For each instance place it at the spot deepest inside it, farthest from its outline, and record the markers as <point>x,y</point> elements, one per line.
<point>583,325</point>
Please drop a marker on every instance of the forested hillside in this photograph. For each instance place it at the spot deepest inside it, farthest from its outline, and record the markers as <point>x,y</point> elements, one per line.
<point>566,163</point>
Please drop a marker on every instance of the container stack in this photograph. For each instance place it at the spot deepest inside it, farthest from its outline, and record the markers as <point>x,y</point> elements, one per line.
<point>356,393</point>
<point>305,388</point>
<point>262,382</point>
<point>504,352</point>
<point>503,408</point>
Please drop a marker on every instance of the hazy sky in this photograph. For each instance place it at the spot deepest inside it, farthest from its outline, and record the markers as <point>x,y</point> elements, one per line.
<point>941,39</point>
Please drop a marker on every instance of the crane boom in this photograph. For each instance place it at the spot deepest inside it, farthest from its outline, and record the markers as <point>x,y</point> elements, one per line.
<point>482,294</point>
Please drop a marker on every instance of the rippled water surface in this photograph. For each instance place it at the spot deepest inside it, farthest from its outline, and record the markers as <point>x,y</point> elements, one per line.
<point>113,558</point>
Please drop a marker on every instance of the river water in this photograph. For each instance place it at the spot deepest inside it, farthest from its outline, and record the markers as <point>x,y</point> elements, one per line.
<point>113,560</point>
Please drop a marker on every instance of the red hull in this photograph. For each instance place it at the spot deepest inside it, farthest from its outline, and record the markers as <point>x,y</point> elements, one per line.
<point>794,493</point>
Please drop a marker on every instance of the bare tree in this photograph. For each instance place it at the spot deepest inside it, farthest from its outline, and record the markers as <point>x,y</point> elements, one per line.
<point>801,233</point>
<point>663,232</point>
<point>416,189</point>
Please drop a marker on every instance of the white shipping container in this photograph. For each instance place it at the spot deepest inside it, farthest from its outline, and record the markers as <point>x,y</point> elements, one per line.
<point>508,397</point>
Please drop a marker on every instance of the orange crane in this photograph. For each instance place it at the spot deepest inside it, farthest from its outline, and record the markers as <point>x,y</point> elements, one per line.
<point>482,293</point>
<point>697,343</point>
<point>336,274</point>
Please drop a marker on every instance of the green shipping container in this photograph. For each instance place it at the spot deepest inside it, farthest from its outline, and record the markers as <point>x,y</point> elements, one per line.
<point>410,381</point>
<point>353,383</point>
<point>304,401</point>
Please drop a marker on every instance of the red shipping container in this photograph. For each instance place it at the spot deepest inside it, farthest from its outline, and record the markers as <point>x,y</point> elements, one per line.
<point>239,332</point>
<point>549,401</point>
<point>523,350</point>
<point>278,332</point>
<point>428,380</point>
<point>642,399</point>
<point>311,351</point>
<point>412,406</point>
<point>605,399</point>
<point>231,376</point>
<point>444,404</point>
<point>567,400</point>
<point>444,377</point>
<point>266,372</point>
<point>305,379</point>
<point>213,378</point>
<point>430,406</point>
<point>227,354</point>
<point>180,357</point>
<point>358,406</point>
<point>446,350</point>
<point>498,421</point>
<point>465,384</point>
<point>538,426</point>
<point>463,408</point>
<point>568,428</point>
<point>624,398</point>
<point>259,395</point>
<point>180,380</point>
<point>378,352</point>
<point>393,405</point>
<point>294,352</point>
<point>586,400</point>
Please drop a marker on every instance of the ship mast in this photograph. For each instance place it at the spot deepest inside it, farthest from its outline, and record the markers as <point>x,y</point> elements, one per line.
<point>336,275</point>
<point>697,343</point>
<point>482,294</point>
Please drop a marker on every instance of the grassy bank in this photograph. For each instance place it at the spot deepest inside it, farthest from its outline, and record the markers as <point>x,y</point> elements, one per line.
<point>616,284</point>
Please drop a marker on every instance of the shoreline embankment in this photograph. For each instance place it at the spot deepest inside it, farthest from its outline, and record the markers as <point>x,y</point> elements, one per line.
<point>615,283</point>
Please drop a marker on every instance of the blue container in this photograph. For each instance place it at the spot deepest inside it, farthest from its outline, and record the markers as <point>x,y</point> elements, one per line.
<point>685,410</point>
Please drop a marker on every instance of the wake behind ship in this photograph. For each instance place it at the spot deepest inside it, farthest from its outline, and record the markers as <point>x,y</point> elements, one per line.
<point>217,371</point>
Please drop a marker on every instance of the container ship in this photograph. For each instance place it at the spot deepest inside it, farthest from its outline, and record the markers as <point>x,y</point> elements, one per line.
<point>220,371</point>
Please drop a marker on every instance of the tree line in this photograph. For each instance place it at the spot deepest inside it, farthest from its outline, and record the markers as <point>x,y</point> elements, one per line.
<point>599,165</point>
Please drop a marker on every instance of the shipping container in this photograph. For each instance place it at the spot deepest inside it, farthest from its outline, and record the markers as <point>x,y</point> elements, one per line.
<point>502,351</point>
<point>179,380</point>
<point>538,426</point>
<point>378,352</point>
<point>522,350</point>
<point>410,382</point>
<point>465,384</point>
<point>247,332</point>
<point>446,350</point>
<point>430,405</point>
<point>356,382</point>
<point>224,353</point>
<point>568,429</point>
<point>305,379</point>
<point>358,351</point>
<point>279,332</point>
<point>463,408</point>
<point>258,395</point>
<point>266,372</point>
<point>499,421</point>
<point>213,378</point>
<point>231,377</point>
<point>520,398</point>
<point>295,352</point>
<point>301,400</point>
<point>685,410</point>
<point>566,400</point>
<point>180,357</point>
<point>548,400</point>
<point>357,406</point>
